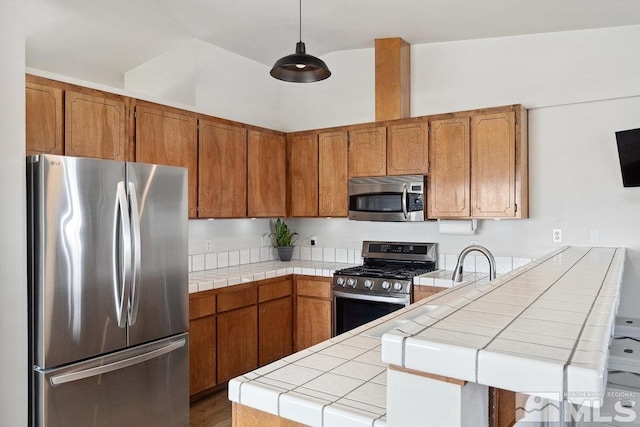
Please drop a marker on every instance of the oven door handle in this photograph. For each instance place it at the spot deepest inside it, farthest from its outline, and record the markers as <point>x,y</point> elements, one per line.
<point>405,202</point>
<point>376,298</point>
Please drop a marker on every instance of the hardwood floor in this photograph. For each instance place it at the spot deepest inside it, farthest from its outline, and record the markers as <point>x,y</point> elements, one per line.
<point>213,411</point>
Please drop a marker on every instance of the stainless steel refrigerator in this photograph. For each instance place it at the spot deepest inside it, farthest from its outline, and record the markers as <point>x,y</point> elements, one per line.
<point>108,293</point>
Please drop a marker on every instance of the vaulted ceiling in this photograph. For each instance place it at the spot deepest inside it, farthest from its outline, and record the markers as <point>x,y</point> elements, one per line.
<point>107,38</point>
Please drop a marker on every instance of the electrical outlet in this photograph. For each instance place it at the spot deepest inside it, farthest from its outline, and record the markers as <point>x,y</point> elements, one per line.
<point>557,235</point>
<point>594,236</point>
<point>208,245</point>
<point>314,240</point>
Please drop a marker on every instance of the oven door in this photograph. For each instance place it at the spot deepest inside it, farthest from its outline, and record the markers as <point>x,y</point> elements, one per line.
<point>355,309</point>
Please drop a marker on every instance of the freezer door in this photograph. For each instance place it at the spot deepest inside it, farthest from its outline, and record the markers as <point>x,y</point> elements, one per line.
<point>146,385</point>
<point>76,278</point>
<point>160,290</point>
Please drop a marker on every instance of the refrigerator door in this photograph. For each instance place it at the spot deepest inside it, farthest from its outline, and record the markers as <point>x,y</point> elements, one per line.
<point>160,291</point>
<point>78,280</point>
<point>146,385</point>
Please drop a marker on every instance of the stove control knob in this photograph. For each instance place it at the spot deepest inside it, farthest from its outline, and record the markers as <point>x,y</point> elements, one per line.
<point>351,282</point>
<point>368,283</point>
<point>386,285</point>
<point>340,281</point>
<point>397,286</point>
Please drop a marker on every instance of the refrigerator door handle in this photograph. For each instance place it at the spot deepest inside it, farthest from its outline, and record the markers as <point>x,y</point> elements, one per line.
<point>137,250</point>
<point>121,276</point>
<point>120,364</point>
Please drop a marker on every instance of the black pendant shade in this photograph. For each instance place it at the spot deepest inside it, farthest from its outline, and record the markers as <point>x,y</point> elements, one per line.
<point>300,67</point>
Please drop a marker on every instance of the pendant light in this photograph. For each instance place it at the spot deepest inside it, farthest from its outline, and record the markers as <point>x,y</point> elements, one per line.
<point>300,67</point>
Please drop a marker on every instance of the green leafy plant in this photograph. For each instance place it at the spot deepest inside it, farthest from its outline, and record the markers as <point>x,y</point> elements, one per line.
<point>283,236</point>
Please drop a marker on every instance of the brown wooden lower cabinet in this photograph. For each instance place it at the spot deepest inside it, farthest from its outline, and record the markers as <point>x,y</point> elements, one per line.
<point>237,342</point>
<point>421,292</point>
<point>313,311</point>
<point>502,407</point>
<point>246,416</point>
<point>202,342</point>
<point>202,354</point>
<point>275,320</point>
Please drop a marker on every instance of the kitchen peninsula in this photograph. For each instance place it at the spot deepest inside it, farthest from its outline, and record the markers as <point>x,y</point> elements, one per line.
<point>543,328</point>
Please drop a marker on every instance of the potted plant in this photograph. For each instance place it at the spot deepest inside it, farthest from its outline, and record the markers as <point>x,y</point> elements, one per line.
<point>283,240</point>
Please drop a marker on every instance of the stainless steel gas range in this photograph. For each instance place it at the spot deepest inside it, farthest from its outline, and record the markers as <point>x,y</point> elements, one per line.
<point>382,284</point>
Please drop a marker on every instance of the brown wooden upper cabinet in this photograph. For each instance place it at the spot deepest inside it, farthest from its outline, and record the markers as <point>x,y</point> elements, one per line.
<point>448,182</point>
<point>408,149</point>
<point>44,120</point>
<point>81,123</point>
<point>368,152</point>
<point>494,184</point>
<point>267,174</point>
<point>95,126</point>
<point>479,165</point>
<point>168,136</point>
<point>303,175</point>
<point>332,174</point>
<point>222,167</point>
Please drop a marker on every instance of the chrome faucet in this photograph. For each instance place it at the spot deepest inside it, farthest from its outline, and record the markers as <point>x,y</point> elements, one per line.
<point>457,274</point>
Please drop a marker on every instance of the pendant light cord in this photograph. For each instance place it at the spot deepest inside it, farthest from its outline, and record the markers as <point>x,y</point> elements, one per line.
<point>300,20</point>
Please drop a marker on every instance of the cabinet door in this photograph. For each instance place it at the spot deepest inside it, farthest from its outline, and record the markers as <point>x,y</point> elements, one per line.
<point>44,120</point>
<point>275,320</point>
<point>368,152</point>
<point>223,171</point>
<point>407,149</point>
<point>237,342</point>
<point>493,160</point>
<point>267,191</point>
<point>94,127</point>
<point>202,354</point>
<point>313,321</point>
<point>332,175</point>
<point>313,311</point>
<point>448,182</point>
<point>169,137</point>
<point>303,175</point>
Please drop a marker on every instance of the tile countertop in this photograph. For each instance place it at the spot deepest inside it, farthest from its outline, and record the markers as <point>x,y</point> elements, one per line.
<point>228,276</point>
<point>339,382</point>
<point>542,329</point>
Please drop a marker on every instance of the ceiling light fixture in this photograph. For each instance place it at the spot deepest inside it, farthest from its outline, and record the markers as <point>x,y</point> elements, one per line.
<point>300,67</point>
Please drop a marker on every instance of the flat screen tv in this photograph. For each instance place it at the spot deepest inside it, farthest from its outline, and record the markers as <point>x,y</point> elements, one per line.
<point>629,153</point>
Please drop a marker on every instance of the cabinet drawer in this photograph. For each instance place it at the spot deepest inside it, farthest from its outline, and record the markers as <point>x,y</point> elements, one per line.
<point>275,290</point>
<point>314,288</point>
<point>200,306</point>
<point>230,300</point>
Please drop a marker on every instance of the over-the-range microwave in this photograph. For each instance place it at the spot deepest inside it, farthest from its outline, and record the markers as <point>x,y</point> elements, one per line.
<point>387,198</point>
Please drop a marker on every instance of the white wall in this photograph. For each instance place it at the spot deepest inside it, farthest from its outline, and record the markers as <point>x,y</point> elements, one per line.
<point>535,70</point>
<point>580,87</point>
<point>13,281</point>
<point>215,81</point>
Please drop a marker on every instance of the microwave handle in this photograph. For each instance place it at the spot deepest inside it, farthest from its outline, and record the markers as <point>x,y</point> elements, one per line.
<point>405,201</point>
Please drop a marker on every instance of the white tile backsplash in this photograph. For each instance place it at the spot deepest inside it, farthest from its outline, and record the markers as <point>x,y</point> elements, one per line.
<point>197,263</point>
<point>234,258</point>
<point>223,259</point>
<point>214,260</point>
<point>211,261</point>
